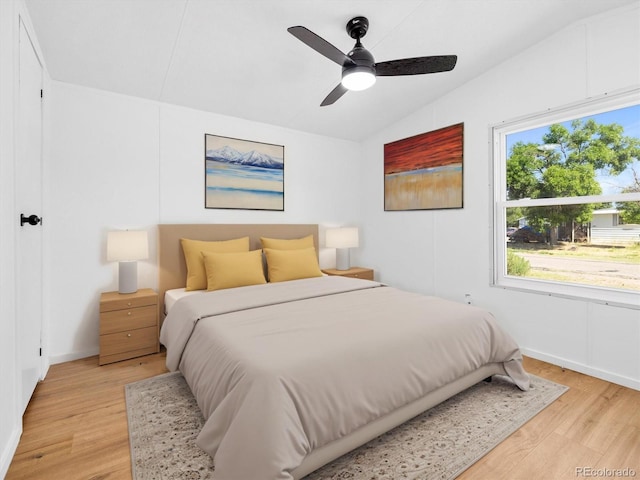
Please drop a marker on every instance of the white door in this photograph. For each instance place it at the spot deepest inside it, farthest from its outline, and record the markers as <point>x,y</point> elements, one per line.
<point>29,205</point>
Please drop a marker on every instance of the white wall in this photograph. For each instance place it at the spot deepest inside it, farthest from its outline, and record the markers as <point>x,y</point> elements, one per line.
<point>121,162</point>
<point>103,172</point>
<point>449,252</point>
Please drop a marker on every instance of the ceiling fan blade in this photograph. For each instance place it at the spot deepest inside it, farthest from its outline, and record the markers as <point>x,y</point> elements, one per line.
<point>334,95</point>
<point>416,66</point>
<point>320,45</point>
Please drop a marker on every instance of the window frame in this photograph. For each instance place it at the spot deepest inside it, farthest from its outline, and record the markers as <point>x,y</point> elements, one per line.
<point>498,134</point>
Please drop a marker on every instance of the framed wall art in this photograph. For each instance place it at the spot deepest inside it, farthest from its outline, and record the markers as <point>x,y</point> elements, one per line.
<point>424,172</point>
<point>243,174</point>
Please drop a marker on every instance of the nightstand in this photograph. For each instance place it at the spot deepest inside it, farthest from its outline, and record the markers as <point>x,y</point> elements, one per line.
<point>353,272</point>
<point>128,325</point>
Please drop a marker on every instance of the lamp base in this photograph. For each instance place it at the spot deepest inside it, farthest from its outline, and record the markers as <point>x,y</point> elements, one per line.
<point>128,277</point>
<point>342,259</point>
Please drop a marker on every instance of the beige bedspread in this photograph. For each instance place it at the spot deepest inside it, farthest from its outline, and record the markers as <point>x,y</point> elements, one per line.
<point>281,369</point>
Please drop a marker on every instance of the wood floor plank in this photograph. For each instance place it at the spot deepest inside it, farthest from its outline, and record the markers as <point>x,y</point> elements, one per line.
<point>603,422</point>
<point>555,458</point>
<point>625,452</point>
<point>75,427</point>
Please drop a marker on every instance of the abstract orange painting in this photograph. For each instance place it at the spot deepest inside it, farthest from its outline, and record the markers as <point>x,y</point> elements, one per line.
<point>424,172</point>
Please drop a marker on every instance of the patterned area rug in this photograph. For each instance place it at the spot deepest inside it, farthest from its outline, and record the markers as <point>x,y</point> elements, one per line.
<point>441,443</point>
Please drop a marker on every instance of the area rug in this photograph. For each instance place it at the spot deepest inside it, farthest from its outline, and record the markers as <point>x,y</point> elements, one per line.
<point>441,443</point>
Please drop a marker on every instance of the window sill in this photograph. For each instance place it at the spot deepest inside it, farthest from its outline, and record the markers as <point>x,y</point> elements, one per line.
<point>605,296</point>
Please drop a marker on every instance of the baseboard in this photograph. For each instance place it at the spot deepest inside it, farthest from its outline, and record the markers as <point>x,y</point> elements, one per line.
<point>9,449</point>
<point>69,357</point>
<point>586,369</point>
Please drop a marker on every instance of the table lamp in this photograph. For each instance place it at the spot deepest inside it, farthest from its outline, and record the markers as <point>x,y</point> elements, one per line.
<point>342,239</point>
<point>127,247</point>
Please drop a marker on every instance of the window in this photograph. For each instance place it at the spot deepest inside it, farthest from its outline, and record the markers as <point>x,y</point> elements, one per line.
<point>567,201</point>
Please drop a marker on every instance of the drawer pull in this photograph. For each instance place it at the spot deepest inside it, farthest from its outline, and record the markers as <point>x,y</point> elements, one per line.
<point>128,304</point>
<point>128,334</point>
<point>129,313</point>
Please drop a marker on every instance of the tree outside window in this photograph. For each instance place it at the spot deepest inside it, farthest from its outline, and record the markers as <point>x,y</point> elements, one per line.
<point>566,163</point>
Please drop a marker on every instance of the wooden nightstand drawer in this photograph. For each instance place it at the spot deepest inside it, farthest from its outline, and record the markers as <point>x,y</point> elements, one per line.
<point>117,357</point>
<point>129,319</point>
<point>353,272</point>
<point>111,301</point>
<point>368,275</point>
<point>128,341</point>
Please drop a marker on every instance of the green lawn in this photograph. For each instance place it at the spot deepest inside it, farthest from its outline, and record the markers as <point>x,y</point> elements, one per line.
<point>626,254</point>
<point>615,254</point>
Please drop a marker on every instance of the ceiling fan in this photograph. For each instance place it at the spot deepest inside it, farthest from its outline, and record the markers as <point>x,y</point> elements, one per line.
<point>359,69</point>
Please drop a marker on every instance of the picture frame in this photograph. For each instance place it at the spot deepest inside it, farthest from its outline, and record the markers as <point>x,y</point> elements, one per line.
<point>243,174</point>
<point>425,171</point>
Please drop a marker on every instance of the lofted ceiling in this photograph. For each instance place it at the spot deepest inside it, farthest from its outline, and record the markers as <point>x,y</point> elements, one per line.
<point>236,58</point>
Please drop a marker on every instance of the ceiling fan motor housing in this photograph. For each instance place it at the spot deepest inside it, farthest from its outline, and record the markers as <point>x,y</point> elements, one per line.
<point>364,63</point>
<point>362,58</point>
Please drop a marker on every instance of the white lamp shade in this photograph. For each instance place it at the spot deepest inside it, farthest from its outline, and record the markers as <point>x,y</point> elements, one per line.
<point>127,245</point>
<point>342,237</point>
<point>358,79</point>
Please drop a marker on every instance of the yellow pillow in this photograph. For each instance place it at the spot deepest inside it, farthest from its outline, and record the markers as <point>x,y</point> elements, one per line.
<point>283,265</point>
<point>192,249</point>
<point>287,244</point>
<point>229,270</point>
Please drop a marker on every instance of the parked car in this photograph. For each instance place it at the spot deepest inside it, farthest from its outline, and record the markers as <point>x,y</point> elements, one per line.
<point>526,235</point>
<point>511,231</point>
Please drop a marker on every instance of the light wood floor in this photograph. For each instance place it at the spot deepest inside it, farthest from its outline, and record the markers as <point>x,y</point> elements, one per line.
<point>76,427</point>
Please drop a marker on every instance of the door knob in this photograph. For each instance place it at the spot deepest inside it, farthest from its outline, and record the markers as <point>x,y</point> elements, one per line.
<point>31,220</point>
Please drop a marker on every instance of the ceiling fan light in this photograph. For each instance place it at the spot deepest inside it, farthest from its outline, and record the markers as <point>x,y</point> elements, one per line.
<point>356,79</point>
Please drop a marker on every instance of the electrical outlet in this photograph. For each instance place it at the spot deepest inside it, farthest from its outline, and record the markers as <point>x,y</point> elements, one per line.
<point>467,299</point>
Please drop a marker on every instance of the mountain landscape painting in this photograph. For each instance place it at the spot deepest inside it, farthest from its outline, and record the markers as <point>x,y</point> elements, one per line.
<point>425,171</point>
<point>243,174</point>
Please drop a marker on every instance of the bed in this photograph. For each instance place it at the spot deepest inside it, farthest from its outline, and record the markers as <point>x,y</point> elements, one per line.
<point>291,375</point>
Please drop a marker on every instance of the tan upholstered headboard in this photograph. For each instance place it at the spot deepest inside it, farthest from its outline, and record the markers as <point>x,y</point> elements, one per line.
<point>172,269</point>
